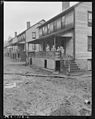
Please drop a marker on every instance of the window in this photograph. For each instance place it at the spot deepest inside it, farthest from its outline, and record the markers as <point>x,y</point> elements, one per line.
<point>48,28</point>
<point>89,18</point>
<point>69,19</point>
<point>34,47</point>
<point>89,43</point>
<point>59,23</point>
<point>63,21</point>
<point>45,30</point>
<point>51,27</point>
<point>34,35</point>
<point>40,31</point>
<point>55,25</point>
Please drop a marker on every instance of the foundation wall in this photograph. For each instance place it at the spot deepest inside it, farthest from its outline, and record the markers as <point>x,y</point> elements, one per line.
<point>50,64</point>
<point>84,64</point>
<point>40,62</point>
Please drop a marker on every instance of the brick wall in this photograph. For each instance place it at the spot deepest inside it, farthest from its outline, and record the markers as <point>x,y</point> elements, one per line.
<point>82,31</point>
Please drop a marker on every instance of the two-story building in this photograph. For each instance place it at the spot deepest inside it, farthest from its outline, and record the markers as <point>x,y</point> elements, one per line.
<point>20,46</point>
<point>72,30</point>
<point>9,48</point>
<point>32,33</point>
<point>21,52</point>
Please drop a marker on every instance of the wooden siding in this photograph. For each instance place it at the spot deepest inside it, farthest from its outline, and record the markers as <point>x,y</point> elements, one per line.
<point>30,38</point>
<point>29,33</point>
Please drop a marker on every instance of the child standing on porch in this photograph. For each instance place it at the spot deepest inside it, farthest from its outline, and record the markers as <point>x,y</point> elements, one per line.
<point>62,51</point>
<point>47,48</point>
<point>53,48</point>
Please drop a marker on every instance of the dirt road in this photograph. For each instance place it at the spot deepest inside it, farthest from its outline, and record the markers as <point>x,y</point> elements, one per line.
<point>42,94</point>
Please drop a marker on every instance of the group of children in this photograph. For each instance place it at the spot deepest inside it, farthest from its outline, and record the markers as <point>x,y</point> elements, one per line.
<point>59,49</point>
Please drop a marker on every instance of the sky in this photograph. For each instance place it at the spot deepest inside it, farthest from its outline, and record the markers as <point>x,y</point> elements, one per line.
<point>16,14</point>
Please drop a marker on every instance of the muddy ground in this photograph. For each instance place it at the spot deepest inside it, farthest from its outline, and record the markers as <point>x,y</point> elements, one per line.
<point>33,91</point>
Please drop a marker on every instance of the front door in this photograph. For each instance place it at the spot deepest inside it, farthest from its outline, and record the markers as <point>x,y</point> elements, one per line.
<point>57,68</point>
<point>45,64</point>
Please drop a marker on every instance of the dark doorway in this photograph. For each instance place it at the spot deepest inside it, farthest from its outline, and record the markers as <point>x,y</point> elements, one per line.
<point>57,68</point>
<point>30,61</point>
<point>18,55</point>
<point>45,64</point>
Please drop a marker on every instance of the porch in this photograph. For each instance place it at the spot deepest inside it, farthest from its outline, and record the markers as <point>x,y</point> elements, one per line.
<point>18,51</point>
<point>54,59</point>
<point>53,43</point>
<point>55,55</point>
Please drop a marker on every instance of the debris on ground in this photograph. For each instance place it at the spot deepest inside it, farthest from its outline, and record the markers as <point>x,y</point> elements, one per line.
<point>33,91</point>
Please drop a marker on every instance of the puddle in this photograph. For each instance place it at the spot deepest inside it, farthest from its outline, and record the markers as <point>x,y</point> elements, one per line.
<point>10,85</point>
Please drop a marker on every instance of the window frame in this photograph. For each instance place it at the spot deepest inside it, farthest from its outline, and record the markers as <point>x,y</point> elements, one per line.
<point>55,25</point>
<point>69,19</point>
<point>33,47</point>
<point>51,27</point>
<point>40,32</point>
<point>45,29</point>
<point>59,20</point>
<point>48,28</point>
<point>63,25</point>
<point>33,34</point>
<point>89,23</point>
<point>90,45</point>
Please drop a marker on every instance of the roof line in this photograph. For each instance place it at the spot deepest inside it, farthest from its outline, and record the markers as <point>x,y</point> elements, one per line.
<point>63,12</point>
<point>31,27</point>
<point>36,24</point>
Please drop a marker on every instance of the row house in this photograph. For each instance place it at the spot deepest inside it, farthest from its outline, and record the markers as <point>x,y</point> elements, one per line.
<point>20,44</point>
<point>20,47</point>
<point>8,48</point>
<point>15,47</point>
<point>32,33</point>
<point>72,30</point>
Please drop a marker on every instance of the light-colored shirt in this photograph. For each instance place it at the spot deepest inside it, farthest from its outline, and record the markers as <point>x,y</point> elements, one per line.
<point>62,49</point>
<point>53,48</point>
<point>47,48</point>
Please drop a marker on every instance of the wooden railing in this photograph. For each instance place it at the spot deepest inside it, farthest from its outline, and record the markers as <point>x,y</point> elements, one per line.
<point>49,55</point>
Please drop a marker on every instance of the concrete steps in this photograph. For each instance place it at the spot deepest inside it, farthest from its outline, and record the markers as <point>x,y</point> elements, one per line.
<point>74,67</point>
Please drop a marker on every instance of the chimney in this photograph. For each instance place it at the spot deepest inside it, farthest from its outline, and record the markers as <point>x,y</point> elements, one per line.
<point>28,24</point>
<point>15,34</point>
<point>65,5</point>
